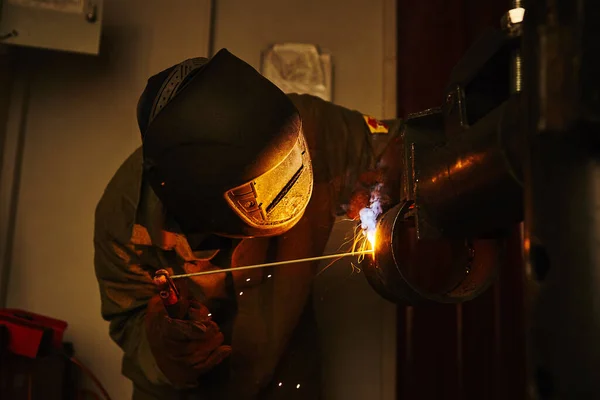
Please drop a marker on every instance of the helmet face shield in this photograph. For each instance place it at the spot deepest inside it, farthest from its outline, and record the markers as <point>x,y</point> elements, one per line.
<point>224,151</point>
<point>274,201</point>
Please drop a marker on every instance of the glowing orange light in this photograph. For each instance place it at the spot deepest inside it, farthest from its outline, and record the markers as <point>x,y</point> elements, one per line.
<point>372,237</point>
<point>366,241</point>
<point>457,167</point>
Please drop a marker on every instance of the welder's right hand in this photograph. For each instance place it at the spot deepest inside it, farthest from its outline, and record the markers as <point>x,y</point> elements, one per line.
<point>184,349</point>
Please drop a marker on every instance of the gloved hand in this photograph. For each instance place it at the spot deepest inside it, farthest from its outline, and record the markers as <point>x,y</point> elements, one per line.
<point>184,349</point>
<point>383,182</point>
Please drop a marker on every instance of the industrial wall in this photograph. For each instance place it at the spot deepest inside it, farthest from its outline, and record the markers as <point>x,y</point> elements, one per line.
<point>80,124</point>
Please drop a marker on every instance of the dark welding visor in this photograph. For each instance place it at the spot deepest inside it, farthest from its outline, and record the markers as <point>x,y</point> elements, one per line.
<point>278,197</point>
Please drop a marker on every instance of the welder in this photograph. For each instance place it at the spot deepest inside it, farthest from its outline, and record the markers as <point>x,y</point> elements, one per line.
<point>231,172</point>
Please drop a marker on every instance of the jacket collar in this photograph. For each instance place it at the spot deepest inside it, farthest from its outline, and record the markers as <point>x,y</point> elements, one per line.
<point>152,224</point>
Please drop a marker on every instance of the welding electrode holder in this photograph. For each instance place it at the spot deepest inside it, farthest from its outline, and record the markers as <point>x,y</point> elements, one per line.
<point>175,304</point>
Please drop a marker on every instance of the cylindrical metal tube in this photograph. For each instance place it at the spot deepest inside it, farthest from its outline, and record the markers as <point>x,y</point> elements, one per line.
<point>406,270</point>
<point>470,185</point>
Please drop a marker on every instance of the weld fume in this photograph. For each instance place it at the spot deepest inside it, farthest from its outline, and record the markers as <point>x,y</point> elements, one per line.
<point>368,215</point>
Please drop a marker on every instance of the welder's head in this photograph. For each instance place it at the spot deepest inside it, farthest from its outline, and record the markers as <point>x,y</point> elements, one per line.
<point>224,149</point>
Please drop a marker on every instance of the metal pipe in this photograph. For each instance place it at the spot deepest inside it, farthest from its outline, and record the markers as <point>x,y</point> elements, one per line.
<point>470,185</point>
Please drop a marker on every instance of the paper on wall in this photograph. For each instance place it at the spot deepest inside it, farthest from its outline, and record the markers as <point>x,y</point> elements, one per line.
<point>68,6</point>
<point>298,68</point>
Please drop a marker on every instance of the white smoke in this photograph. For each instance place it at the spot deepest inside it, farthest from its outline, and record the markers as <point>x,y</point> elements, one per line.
<point>368,215</point>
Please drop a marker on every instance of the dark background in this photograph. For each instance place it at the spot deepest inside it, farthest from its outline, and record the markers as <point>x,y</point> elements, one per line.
<point>475,350</point>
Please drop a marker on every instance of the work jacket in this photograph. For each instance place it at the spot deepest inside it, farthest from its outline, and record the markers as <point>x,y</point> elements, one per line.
<point>271,328</point>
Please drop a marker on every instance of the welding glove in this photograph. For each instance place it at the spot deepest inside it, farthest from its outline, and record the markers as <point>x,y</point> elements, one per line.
<point>184,349</point>
<point>381,183</point>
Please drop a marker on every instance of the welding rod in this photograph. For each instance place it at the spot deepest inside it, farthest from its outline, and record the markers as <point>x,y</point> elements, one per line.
<point>273,264</point>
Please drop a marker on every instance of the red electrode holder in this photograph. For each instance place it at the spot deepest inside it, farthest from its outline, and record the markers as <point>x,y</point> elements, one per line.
<point>30,335</point>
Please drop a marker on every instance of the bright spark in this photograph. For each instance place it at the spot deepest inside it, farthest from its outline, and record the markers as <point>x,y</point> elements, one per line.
<point>361,244</point>
<point>371,236</point>
<point>368,221</point>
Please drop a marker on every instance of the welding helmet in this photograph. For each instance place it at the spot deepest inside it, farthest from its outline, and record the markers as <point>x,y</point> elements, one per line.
<point>224,149</point>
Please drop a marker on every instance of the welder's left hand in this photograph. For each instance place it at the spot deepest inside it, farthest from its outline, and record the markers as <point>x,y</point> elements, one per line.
<point>383,182</point>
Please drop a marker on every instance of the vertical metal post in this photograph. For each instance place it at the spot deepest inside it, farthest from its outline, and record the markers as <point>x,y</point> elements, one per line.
<point>562,197</point>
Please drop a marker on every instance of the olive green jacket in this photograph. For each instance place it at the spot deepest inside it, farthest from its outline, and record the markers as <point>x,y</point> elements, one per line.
<point>133,237</point>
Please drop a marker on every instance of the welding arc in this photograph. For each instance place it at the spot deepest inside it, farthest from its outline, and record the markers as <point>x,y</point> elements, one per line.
<point>274,264</point>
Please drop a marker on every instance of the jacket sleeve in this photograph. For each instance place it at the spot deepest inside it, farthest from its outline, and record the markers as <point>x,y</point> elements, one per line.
<point>125,289</point>
<point>341,144</point>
